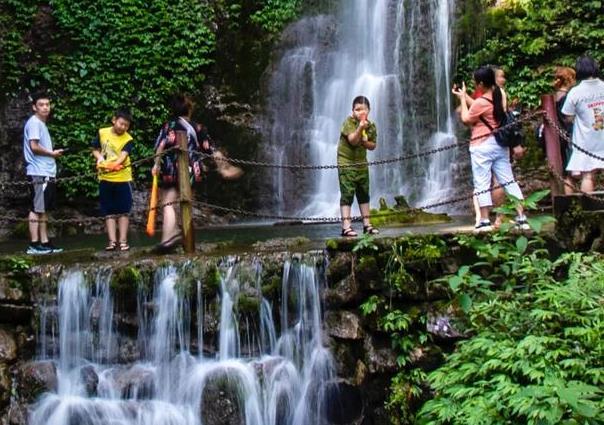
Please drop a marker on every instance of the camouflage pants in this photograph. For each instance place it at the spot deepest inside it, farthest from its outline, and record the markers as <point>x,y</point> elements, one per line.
<point>353,182</point>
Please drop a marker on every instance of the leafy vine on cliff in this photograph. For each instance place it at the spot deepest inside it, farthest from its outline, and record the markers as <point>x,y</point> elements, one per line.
<point>529,38</point>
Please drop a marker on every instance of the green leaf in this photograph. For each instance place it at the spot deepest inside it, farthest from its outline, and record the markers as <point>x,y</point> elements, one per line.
<point>521,244</point>
<point>465,302</point>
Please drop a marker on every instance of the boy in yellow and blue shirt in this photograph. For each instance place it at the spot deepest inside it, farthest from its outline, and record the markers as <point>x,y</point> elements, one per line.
<point>112,148</point>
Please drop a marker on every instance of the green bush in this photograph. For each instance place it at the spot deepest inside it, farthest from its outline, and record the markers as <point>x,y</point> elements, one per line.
<point>528,38</point>
<point>108,53</point>
<point>536,357</point>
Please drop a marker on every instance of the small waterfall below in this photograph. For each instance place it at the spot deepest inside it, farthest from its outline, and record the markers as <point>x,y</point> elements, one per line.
<point>395,52</point>
<point>274,373</point>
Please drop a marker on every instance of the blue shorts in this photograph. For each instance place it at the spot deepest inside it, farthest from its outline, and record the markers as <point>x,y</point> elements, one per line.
<point>115,197</point>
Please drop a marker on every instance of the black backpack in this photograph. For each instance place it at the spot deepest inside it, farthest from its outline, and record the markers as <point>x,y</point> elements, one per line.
<point>509,132</point>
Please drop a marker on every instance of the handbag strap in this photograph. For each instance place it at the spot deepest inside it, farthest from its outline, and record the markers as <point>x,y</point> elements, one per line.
<point>484,121</point>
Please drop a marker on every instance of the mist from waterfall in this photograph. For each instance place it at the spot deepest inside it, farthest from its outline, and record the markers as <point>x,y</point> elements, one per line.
<point>285,383</point>
<point>395,52</point>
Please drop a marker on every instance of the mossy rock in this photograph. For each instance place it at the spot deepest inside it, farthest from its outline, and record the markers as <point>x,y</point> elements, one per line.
<point>211,280</point>
<point>367,270</point>
<point>339,268</point>
<point>192,273</point>
<point>247,304</point>
<point>272,288</point>
<point>382,217</point>
<point>332,244</point>
<point>125,278</point>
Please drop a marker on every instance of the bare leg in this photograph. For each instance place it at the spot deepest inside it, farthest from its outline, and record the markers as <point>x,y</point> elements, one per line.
<point>111,230</point>
<point>498,196</point>
<point>34,226</point>
<point>477,214</point>
<point>43,228</point>
<point>123,228</point>
<point>346,221</point>
<point>587,182</point>
<point>365,213</point>
<point>568,186</point>
<point>484,213</point>
<point>169,227</point>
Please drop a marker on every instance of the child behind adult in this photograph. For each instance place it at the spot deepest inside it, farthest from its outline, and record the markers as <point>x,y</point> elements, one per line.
<point>357,136</point>
<point>486,156</point>
<point>112,148</point>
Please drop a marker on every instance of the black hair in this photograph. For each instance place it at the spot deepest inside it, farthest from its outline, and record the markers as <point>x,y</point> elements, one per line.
<point>181,105</point>
<point>123,113</point>
<point>37,96</point>
<point>361,100</point>
<point>486,76</point>
<point>586,67</point>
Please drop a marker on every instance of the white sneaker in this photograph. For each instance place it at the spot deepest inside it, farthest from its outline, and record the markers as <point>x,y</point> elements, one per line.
<point>483,227</point>
<point>522,224</point>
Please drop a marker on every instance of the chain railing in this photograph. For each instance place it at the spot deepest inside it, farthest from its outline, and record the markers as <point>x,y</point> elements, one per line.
<point>88,174</point>
<point>137,214</point>
<point>402,158</point>
<point>335,219</point>
<point>264,164</point>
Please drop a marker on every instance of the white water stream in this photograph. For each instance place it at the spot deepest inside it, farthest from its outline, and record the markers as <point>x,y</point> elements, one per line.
<point>395,52</point>
<point>168,385</point>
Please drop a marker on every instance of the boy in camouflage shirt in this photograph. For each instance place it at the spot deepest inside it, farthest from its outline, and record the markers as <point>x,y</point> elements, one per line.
<point>357,136</point>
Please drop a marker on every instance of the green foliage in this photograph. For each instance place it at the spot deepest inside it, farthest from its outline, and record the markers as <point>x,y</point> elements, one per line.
<point>366,243</point>
<point>529,203</point>
<point>93,57</point>
<point>427,250</point>
<point>536,357</point>
<point>274,14</point>
<point>528,38</point>
<point>370,305</point>
<point>16,265</point>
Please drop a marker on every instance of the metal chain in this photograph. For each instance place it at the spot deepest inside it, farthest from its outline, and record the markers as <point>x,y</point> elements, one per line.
<point>86,220</point>
<point>565,136</point>
<point>353,218</point>
<point>204,155</point>
<point>92,173</point>
<point>402,158</point>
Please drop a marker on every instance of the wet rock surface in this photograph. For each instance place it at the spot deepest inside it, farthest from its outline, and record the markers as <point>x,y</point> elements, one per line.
<point>36,378</point>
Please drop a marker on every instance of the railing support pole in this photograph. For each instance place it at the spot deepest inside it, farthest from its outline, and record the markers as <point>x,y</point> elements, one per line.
<point>552,143</point>
<point>186,196</point>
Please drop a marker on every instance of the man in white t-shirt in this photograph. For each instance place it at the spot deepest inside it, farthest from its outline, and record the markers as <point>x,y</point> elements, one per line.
<point>585,106</point>
<point>41,170</point>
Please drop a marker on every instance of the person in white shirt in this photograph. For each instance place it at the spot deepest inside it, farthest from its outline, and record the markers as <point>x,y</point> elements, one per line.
<point>584,106</point>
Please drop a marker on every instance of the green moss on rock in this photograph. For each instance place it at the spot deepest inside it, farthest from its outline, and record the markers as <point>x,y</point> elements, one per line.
<point>247,304</point>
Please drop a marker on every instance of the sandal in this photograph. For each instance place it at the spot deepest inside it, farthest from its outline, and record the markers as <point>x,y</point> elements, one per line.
<point>370,230</point>
<point>349,233</point>
<point>124,246</point>
<point>111,246</point>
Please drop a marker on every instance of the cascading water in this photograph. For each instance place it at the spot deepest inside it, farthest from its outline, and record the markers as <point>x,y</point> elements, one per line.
<point>287,384</point>
<point>396,53</point>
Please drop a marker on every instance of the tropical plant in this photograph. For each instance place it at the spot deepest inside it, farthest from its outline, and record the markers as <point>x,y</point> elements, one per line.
<point>536,357</point>
<point>528,38</point>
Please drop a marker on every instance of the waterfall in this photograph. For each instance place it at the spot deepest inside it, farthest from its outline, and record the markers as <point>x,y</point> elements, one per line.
<point>168,384</point>
<point>396,53</point>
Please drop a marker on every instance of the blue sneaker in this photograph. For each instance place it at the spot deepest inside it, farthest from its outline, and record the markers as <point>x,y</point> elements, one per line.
<point>36,248</point>
<point>51,247</point>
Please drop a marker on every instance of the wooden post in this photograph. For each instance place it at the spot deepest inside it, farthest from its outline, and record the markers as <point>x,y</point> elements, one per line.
<point>186,196</point>
<point>552,143</point>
